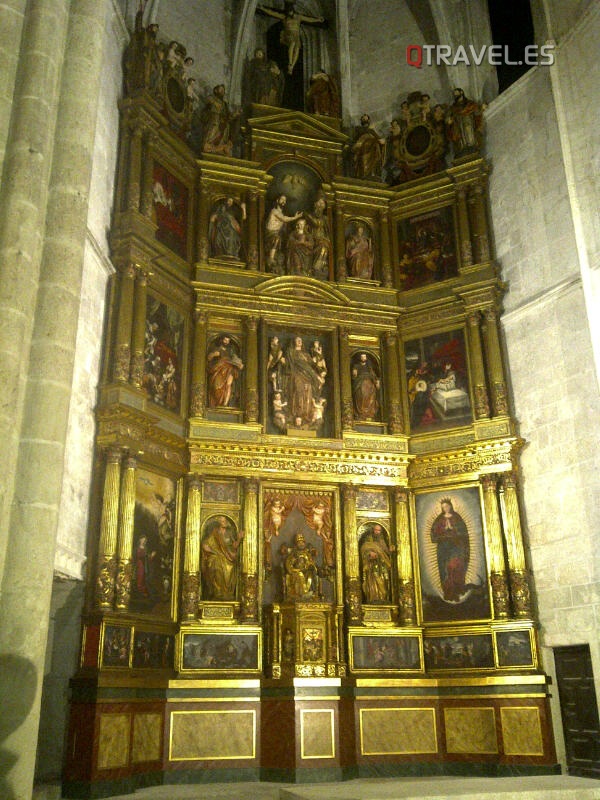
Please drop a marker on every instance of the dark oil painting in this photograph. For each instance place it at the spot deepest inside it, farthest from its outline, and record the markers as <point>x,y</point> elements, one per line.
<point>427,248</point>
<point>459,652</point>
<point>117,644</point>
<point>170,198</point>
<point>152,650</point>
<point>380,652</point>
<point>163,350</point>
<point>220,651</point>
<point>514,649</point>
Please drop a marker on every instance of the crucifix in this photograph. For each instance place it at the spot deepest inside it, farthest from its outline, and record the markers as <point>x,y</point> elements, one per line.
<point>290,35</point>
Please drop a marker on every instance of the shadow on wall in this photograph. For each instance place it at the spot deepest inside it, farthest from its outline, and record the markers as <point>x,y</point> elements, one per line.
<point>18,682</point>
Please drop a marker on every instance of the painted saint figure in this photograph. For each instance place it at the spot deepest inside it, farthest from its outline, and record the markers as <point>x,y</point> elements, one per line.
<point>319,228</point>
<point>300,248</point>
<point>376,563</point>
<point>220,568</point>
<point>290,35</point>
<point>218,124</point>
<point>365,389</point>
<point>359,253</point>
<point>275,233</point>
<point>449,532</point>
<point>224,229</point>
<point>224,367</point>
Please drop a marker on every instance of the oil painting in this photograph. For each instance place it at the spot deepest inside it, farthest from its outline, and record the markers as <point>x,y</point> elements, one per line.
<point>427,248</point>
<point>221,651</point>
<point>452,562</point>
<point>459,652</point>
<point>170,198</point>
<point>117,645</point>
<point>383,652</point>
<point>163,352</point>
<point>152,650</point>
<point>514,649</point>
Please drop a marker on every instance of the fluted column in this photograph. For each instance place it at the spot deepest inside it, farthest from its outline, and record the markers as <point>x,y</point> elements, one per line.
<point>109,525</point>
<point>395,421</point>
<point>406,582</point>
<point>202,229</point>
<point>249,585</point>
<point>139,329</point>
<point>261,218</point>
<point>251,370</point>
<point>253,230</point>
<point>482,406</point>
<point>125,535</point>
<point>198,390</point>
<point>134,184</point>
<point>494,360</point>
<point>346,381</point>
<point>495,547</point>
<point>340,245</point>
<point>479,223</point>
<point>147,176</point>
<point>518,573</point>
<point>464,231</point>
<point>386,263</point>
<point>352,590</point>
<point>122,352</point>
<point>190,593</point>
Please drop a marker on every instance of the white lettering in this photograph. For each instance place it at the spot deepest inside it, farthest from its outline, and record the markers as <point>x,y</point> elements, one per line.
<point>547,51</point>
<point>428,50</point>
<point>495,55</point>
<point>460,56</point>
<point>477,56</point>
<point>444,51</point>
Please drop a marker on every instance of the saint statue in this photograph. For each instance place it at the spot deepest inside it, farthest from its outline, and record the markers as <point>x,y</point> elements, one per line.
<point>376,565</point>
<point>224,367</point>
<point>303,381</point>
<point>225,230</point>
<point>263,81</point>
<point>359,253</point>
<point>301,574</point>
<point>365,389</point>
<point>218,124</point>
<point>367,150</point>
<point>464,123</point>
<point>220,566</point>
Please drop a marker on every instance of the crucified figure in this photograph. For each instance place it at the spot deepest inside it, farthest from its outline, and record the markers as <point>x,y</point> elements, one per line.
<point>290,35</point>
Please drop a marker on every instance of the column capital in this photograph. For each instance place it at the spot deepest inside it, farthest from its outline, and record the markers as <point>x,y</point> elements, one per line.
<point>349,492</point>
<point>401,494</point>
<point>251,485</point>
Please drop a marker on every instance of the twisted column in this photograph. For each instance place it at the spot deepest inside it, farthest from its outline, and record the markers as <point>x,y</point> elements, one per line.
<point>109,525</point>
<point>518,573</point>
<point>251,370</point>
<point>395,421</point>
<point>139,329</point>
<point>249,584</point>
<point>497,566</point>
<point>122,352</point>
<point>479,223</point>
<point>406,582</point>
<point>482,405</point>
<point>125,535</point>
<point>346,381</point>
<point>464,232</point>
<point>190,593</point>
<point>198,390</point>
<point>352,590</point>
<point>491,338</point>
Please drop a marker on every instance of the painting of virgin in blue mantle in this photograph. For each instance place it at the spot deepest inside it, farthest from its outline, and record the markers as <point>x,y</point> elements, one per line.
<point>452,564</point>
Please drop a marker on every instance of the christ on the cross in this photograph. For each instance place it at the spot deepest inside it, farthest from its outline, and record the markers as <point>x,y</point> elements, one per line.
<point>290,35</point>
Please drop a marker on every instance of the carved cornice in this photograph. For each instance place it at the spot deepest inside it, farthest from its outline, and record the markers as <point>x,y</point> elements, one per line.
<point>120,426</point>
<point>497,456</point>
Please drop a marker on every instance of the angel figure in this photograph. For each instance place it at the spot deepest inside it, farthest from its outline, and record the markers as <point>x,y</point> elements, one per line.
<point>274,518</point>
<point>290,35</point>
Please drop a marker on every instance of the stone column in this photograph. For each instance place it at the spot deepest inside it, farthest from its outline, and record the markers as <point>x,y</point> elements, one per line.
<point>352,589</point>
<point>198,388</point>
<point>482,406</point>
<point>106,565</point>
<point>518,573</point>
<point>249,578</point>
<point>386,258</point>
<point>33,36</point>
<point>125,535</point>
<point>340,245</point>
<point>139,329</point>
<point>51,339</point>
<point>494,360</point>
<point>253,230</point>
<point>147,178</point>
<point>251,370</point>
<point>202,229</point>
<point>406,582</point>
<point>495,547</point>
<point>190,591</point>
<point>346,382</point>
<point>122,353</point>
<point>134,183</point>
<point>464,232</point>
<point>479,223</point>
<point>395,421</point>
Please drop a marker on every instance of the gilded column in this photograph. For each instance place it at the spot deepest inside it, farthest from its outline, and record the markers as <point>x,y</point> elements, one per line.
<point>340,245</point>
<point>251,370</point>
<point>139,329</point>
<point>395,420</point>
<point>464,231</point>
<point>202,229</point>
<point>346,381</point>
<point>494,361</point>
<point>147,178</point>
<point>498,579</point>
<point>479,223</point>
<point>122,353</point>
<point>518,573</point>
<point>135,168</point>
<point>109,524</point>
<point>190,591</point>
<point>249,583</point>
<point>352,590</point>
<point>198,391</point>
<point>125,535</point>
<point>261,216</point>
<point>253,230</point>
<point>386,264</point>
<point>120,182</point>
<point>406,581</point>
<point>482,406</point>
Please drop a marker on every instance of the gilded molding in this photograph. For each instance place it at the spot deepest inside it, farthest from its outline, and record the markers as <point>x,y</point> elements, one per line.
<point>496,455</point>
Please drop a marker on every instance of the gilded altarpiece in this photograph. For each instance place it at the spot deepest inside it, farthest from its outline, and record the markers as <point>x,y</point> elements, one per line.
<point>307,505</point>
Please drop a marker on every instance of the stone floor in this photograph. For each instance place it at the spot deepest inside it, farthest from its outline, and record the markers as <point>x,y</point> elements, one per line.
<point>556,787</point>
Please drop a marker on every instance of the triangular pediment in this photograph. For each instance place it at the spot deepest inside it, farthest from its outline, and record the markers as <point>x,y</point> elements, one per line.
<point>298,288</point>
<point>297,123</point>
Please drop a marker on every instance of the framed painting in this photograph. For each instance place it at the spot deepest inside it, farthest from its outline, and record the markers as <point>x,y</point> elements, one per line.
<point>170,197</point>
<point>452,561</point>
<point>437,382</point>
<point>116,647</point>
<point>427,248</point>
<point>472,651</point>
<point>152,650</point>
<point>514,648</point>
<point>219,650</point>
<point>163,354</point>
<point>154,536</point>
<point>379,652</point>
